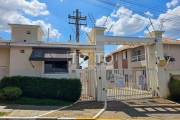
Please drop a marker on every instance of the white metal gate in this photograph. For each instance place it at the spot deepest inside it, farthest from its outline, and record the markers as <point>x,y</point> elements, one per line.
<point>89,84</point>
<point>131,84</point>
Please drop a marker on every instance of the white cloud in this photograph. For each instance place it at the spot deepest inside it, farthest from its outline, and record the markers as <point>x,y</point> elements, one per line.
<point>148,14</point>
<point>61,0</point>
<point>121,12</point>
<point>13,11</point>
<point>178,39</point>
<point>119,46</point>
<point>172,3</point>
<point>170,25</point>
<point>126,23</point>
<point>32,7</point>
<point>86,29</point>
<point>101,21</point>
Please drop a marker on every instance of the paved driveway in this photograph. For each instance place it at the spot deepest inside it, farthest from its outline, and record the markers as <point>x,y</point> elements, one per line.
<point>78,110</point>
<point>144,108</point>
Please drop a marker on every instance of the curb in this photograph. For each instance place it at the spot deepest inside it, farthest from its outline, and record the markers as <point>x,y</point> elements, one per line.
<point>173,102</point>
<point>98,114</point>
<point>56,110</point>
<point>43,118</point>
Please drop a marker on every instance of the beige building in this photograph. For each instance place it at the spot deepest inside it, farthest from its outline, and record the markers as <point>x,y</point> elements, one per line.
<point>134,56</point>
<point>27,55</point>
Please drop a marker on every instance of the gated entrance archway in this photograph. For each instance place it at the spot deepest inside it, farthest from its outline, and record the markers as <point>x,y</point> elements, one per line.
<point>149,87</point>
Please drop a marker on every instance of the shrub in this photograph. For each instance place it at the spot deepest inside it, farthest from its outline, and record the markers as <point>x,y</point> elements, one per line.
<point>38,87</point>
<point>11,93</point>
<point>174,88</point>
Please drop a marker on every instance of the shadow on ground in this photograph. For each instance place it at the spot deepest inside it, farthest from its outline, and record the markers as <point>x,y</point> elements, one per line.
<point>151,108</point>
<point>79,110</point>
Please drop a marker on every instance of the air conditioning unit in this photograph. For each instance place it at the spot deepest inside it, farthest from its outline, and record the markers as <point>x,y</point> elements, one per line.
<point>170,58</point>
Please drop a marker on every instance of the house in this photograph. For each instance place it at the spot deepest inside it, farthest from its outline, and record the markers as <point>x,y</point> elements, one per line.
<point>134,56</point>
<point>27,54</point>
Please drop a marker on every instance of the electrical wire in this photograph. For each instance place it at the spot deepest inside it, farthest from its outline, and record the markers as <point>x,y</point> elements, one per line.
<point>136,10</point>
<point>100,6</point>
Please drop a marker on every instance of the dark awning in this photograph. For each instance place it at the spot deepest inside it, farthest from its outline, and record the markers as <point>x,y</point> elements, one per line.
<point>50,54</point>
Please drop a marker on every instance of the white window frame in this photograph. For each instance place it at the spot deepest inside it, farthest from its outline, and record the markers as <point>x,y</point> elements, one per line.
<point>55,73</point>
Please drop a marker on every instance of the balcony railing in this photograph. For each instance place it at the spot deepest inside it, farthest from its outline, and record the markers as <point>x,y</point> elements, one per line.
<point>137,58</point>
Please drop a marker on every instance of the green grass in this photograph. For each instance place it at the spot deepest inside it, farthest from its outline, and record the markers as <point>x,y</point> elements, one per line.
<point>35,101</point>
<point>3,113</point>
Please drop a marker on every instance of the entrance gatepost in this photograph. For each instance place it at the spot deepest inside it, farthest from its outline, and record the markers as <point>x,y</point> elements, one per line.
<point>99,61</point>
<point>156,60</point>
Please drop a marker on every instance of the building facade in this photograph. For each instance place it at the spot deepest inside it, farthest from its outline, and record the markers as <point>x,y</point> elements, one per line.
<point>134,56</point>
<point>27,55</point>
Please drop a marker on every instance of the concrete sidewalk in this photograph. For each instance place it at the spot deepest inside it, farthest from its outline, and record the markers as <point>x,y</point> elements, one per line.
<point>79,110</point>
<point>26,110</point>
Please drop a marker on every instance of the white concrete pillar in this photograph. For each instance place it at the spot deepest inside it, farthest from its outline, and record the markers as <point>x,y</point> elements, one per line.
<point>72,66</point>
<point>155,54</point>
<point>99,57</point>
<point>91,74</point>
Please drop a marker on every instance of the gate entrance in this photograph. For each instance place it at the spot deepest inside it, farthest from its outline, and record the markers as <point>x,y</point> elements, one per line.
<point>89,84</point>
<point>122,84</point>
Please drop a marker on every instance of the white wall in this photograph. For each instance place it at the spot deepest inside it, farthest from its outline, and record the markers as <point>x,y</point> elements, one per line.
<point>173,50</point>
<point>4,58</point>
<point>20,65</point>
<point>20,34</point>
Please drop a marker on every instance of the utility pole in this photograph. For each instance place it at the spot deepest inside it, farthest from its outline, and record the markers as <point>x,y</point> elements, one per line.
<point>77,22</point>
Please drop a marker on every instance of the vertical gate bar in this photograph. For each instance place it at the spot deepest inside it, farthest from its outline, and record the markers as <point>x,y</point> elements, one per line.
<point>130,83</point>
<point>113,88</point>
<point>141,93</point>
<point>115,92</point>
<point>86,82</point>
<point>135,84</point>
<point>126,85</point>
<point>153,84</point>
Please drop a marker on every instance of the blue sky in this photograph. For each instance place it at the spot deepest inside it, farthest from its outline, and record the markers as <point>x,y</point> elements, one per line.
<point>129,18</point>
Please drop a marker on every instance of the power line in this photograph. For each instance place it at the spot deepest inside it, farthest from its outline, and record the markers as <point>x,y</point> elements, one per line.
<point>106,20</point>
<point>135,9</point>
<point>153,7</point>
<point>109,29</point>
<point>94,4</point>
<point>139,18</point>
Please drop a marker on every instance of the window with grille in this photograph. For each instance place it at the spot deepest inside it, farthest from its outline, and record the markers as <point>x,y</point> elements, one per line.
<point>55,67</point>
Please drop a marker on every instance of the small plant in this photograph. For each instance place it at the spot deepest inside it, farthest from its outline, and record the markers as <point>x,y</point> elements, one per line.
<point>174,88</point>
<point>11,93</point>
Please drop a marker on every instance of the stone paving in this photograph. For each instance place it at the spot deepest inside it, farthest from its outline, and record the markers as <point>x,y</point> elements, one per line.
<point>26,110</point>
<point>157,108</point>
<point>79,110</point>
